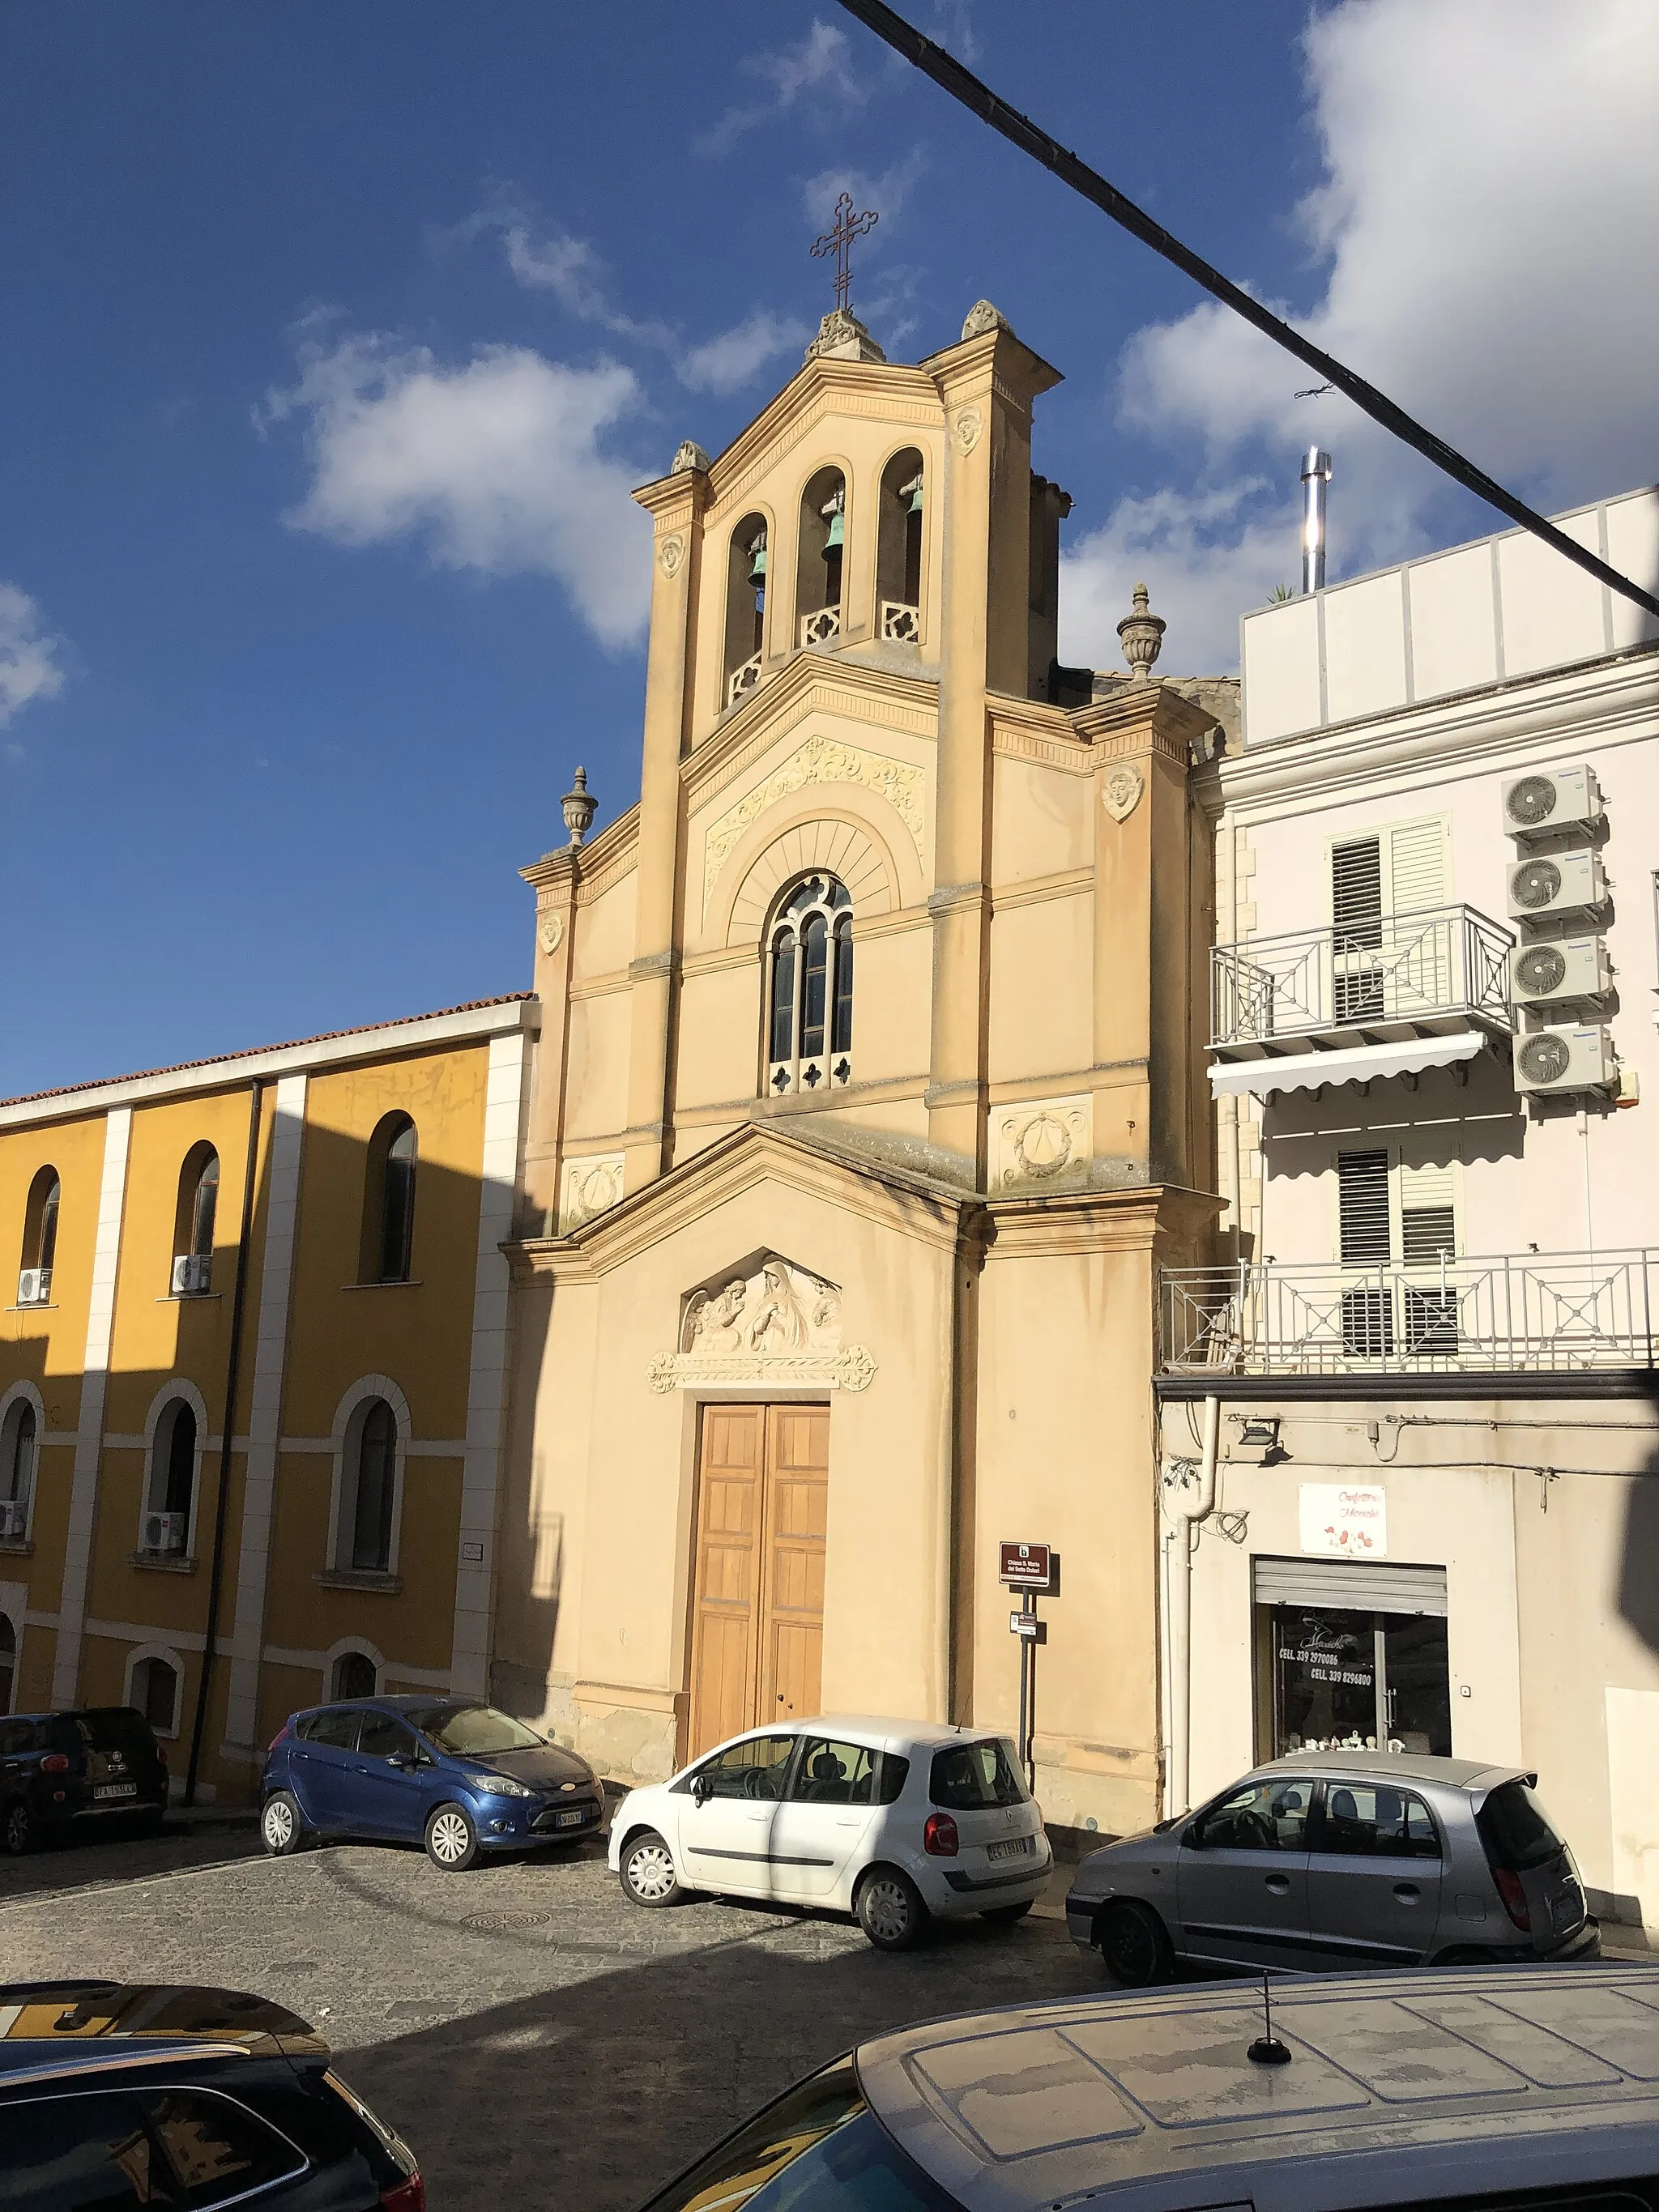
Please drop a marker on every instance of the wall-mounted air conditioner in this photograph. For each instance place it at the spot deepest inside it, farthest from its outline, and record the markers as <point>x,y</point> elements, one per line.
<point>35,1286</point>
<point>193,1274</point>
<point>1573,968</point>
<point>1560,1061</point>
<point>14,1520</point>
<point>1551,885</point>
<point>165,1532</point>
<point>1539,806</point>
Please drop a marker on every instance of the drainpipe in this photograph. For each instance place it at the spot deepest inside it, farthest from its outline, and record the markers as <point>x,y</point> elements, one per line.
<point>1184,1514</point>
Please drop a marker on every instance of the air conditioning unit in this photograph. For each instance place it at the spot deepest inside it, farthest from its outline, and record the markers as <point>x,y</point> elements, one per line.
<point>193,1274</point>
<point>35,1286</point>
<point>1572,967</point>
<point>14,1520</point>
<point>165,1532</point>
<point>1550,884</point>
<point>1560,1061</point>
<point>1539,806</point>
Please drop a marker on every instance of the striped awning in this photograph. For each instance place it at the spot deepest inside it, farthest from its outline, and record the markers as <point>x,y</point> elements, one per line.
<point>1312,1071</point>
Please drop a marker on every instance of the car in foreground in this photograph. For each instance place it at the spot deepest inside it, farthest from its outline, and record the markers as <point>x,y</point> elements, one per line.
<point>70,1774</point>
<point>459,1776</point>
<point>115,2097</point>
<point>1498,2089</point>
<point>1331,1859</point>
<point>898,1822</point>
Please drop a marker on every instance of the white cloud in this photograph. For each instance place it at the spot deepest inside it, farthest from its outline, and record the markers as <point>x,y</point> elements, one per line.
<point>1489,209</point>
<point>496,464</point>
<point>729,362</point>
<point>819,64</point>
<point>29,665</point>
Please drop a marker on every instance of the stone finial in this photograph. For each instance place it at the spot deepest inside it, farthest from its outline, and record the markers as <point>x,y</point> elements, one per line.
<point>982,316</point>
<point>1140,632</point>
<point>579,808</point>
<point>842,336</point>
<point>689,455</point>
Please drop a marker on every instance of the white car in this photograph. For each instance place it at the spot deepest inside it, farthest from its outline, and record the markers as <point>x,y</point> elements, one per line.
<point>897,1821</point>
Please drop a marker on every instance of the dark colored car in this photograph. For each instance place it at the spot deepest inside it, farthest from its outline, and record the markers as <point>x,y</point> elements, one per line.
<point>113,2098</point>
<point>64,1773</point>
<point>455,1775</point>
<point>1332,1859</point>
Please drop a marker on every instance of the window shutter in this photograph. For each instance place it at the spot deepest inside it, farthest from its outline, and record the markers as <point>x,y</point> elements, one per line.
<point>1362,1186</point>
<point>1416,866</point>
<point>1428,1216</point>
<point>1356,889</point>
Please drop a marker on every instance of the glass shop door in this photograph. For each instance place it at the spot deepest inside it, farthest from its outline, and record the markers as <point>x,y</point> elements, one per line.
<point>1358,1680</point>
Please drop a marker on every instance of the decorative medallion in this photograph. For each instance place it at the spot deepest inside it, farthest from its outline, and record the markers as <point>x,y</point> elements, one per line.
<point>1121,793</point>
<point>779,1325</point>
<point>589,1186</point>
<point>671,553</point>
<point>1040,1141</point>
<point>820,760</point>
<point>551,933</point>
<point>970,422</point>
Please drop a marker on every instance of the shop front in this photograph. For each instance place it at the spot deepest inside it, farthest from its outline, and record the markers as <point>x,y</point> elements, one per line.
<point>1350,1656</point>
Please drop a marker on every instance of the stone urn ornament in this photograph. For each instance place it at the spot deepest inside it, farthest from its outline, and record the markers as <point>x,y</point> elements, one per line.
<point>1140,632</point>
<point>579,808</point>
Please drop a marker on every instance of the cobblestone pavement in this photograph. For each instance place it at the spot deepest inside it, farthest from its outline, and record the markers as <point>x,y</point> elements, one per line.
<point>538,2039</point>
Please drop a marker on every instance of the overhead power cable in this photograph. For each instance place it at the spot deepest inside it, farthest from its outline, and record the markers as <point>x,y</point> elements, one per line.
<point>978,98</point>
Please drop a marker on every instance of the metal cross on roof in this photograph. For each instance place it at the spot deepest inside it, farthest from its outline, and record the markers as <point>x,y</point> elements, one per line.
<point>838,240</point>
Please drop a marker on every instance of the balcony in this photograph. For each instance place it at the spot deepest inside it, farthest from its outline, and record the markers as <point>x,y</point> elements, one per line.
<point>1559,1312</point>
<point>1366,990</point>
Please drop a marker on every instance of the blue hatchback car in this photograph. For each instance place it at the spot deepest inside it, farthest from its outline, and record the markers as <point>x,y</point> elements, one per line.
<point>459,1776</point>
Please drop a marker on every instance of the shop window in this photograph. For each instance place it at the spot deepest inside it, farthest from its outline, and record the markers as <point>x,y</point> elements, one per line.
<point>822,545</point>
<point>1352,1676</point>
<point>898,550</point>
<point>39,1239</point>
<point>171,1489</point>
<point>156,1693</point>
<point>809,988</point>
<point>371,1468</point>
<point>354,1676</point>
<point>193,1220</point>
<point>745,606</point>
<point>20,1444</point>
<point>387,1244</point>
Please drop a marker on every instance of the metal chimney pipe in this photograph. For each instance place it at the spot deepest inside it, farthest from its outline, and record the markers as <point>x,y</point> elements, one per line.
<point>1315,475</point>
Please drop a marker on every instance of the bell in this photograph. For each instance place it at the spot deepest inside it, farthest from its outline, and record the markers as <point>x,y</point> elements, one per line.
<point>837,537</point>
<point>911,494</point>
<point>757,562</point>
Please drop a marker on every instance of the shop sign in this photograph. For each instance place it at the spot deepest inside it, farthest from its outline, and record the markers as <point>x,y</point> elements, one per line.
<point>1349,1520</point>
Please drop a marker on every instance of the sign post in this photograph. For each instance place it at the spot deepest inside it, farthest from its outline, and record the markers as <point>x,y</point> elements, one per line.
<point>1027,1568</point>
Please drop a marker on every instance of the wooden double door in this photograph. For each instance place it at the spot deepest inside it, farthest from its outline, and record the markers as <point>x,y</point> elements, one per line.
<point>758,1592</point>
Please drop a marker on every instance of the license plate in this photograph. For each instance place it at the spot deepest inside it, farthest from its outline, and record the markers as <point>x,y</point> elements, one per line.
<point>570,1820</point>
<point>1016,1848</point>
<point>115,1789</point>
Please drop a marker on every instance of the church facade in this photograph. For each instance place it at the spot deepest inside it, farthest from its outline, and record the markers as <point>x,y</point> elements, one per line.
<point>866,1105</point>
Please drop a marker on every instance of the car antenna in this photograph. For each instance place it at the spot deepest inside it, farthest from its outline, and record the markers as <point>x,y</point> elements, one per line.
<point>1267,2050</point>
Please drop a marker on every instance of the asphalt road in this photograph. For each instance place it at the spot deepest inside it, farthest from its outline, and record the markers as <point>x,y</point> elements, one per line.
<point>538,2039</point>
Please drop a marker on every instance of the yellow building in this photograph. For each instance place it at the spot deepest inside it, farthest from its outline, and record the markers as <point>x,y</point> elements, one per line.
<point>299,1246</point>
<point>868,1101</point>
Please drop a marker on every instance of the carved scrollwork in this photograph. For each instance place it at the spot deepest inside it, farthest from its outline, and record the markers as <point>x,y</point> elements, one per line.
<point>779,1325</point>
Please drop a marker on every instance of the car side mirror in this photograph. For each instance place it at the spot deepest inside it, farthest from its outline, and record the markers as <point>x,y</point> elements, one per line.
<point>702,1787</point>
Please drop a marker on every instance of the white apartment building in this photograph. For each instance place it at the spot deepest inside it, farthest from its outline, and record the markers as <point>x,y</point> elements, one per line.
<point>1410,1427</point>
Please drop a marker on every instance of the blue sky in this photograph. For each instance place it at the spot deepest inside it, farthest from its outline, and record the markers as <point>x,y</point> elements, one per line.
<point>334,337</point>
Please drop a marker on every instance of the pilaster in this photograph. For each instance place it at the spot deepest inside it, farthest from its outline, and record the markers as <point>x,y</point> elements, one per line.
<point>554,878</point>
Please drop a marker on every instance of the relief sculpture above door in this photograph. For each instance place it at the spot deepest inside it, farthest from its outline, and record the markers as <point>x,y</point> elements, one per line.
<point>769,1322</point>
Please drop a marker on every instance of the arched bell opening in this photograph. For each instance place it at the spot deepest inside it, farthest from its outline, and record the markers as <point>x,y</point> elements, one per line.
<point>818,568</point>
<point>748,553</point>
<point>901,518</point>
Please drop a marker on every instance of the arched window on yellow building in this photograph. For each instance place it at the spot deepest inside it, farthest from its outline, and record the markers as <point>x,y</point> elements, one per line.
<point>809,988</point>
<point>192,1223</point>
<point>170,1490</point>
<point>371,1465</point>
<point>39,1239</point>
<point>20,1445</point>
<point>388,1235</point>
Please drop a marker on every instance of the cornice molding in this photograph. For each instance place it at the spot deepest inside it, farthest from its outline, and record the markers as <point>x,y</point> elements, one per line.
<point>614,854</point>
<point>886,390</point>
<point>1133,1220</point>
<point>809,683</point>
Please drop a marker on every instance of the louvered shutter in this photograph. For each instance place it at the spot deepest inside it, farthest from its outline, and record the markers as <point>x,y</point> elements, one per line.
<point>1357,893</point>
<point>1428,1216</point>
<point>1362,1191</point>
<point>1416,866</point>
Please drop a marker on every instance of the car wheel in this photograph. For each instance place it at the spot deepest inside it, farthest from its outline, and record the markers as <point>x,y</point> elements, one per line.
<point>891,1910</point>
<point>451,1841</point>
<point>1133,1944</point>
<point>16,1828</point>
<point>281,1829</point>
<point>647,1871</point>
<point>1004,1916</point>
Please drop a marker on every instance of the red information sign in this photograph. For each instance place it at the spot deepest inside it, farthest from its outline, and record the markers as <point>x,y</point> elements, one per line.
<point>1025,1566</point>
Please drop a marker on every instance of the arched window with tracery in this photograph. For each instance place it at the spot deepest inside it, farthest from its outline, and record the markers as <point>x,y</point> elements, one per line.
<point>809,988</point>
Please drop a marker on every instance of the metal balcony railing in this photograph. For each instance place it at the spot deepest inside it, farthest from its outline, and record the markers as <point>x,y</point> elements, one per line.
<point>1378,977</point>
<point>1560,1311</point>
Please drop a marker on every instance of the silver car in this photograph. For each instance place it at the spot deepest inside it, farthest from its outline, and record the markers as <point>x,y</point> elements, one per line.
<point>1493,2090</point>
<point>1329,1860</point>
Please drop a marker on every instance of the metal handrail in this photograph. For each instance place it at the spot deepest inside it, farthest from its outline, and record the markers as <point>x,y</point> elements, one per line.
<point>1379,969</point>
<point>1560,1311</point>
